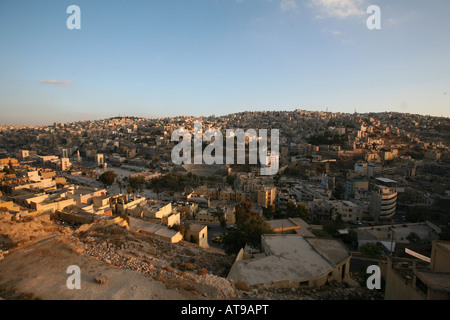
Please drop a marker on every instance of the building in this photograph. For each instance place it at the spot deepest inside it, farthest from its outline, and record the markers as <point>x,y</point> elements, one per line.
<point>65,164</point>
<point>416,279</point>
<point>171,219</point>
<point>356,187</point>
<point>198,234</point>
<point>383,201</point>
<point>293,261</point>
<point>291,226</point>
<point>99,159</point>
<point>64,153</point>
<point>326,210</point>
<point>159,230</point>
<point>85,195</point>
<point>266,197</point>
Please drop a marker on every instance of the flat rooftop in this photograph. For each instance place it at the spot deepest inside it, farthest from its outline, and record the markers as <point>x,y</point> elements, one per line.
<point>423,231</point>
<point>386,180</point>
<point>290,257</point>
<point>298,225</point>
<point>139,225</point>
<point>436,280</point>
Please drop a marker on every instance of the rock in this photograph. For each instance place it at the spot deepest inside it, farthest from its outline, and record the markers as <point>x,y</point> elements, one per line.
<point>101,279</point>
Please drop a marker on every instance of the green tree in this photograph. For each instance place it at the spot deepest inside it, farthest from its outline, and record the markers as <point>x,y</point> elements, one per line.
<point>333,226</point>
<point>136,183</point>
<point>268,212</point>
<point>220,215</point>
<point>414,238</point>
<point>371,250</point>
<point>244,210</point>
<point>297,211</point>
<point>108,177</point>
<point>250,227</point>
<point>247,232</point>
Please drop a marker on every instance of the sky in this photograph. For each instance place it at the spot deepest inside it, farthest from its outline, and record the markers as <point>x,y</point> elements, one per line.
<point>164,58</point>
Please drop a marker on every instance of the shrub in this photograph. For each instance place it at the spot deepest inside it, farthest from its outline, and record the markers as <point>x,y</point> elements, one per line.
<point>184,266</point>
<point>202,271</point>
<point>168,269</point>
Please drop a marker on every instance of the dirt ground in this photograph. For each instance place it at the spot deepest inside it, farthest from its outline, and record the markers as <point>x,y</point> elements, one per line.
<point>35,255</point>
<point>40,271</point>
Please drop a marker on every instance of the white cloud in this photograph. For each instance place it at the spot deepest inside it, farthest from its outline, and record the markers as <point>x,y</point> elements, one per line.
<point>287,5</point>
<point>56,82</point>
<point>339,8</point>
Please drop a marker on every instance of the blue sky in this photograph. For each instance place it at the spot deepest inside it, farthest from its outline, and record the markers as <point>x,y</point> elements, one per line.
<point>202,57</point>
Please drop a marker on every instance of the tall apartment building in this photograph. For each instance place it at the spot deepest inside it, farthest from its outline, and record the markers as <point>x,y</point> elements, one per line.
<point>65,164</point>
<point>383,202</point>
<point>266,197</point>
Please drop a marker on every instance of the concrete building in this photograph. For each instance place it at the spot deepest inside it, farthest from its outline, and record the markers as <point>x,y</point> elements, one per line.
<point>198,234</point>
<point>325,210</point>
<point>266,197</point>
<point>85,195</point>
<point>99,159</point>
<point>415,279</point>
<point>356,187</point>
<point>64,153</point>
<point>383,201</point>
<point>65,164</point>
<point>171,219</point>
<point>293,261</point>
<point>159,230</point>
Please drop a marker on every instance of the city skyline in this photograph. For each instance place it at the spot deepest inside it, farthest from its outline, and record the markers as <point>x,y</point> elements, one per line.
<point>158,59</point>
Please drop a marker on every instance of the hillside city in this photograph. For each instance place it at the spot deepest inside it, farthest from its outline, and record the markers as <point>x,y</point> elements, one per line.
<point>352,191</point>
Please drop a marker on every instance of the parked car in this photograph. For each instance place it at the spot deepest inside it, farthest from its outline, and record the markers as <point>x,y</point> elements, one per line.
<point>217,239</point>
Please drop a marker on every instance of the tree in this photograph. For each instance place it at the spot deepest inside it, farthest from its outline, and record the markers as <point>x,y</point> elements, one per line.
<point>371,250</point>
<point>414,238</point>
<point>231,179</point>
<point>445,235</point>
<point>333,226</point>
<point>220,215</point>
<point>249,232</point>
<point>8,170</point>
<point>268,212</point>
<point>244,210</point>
<point>297,211</point>
<point>108,177</point>
<point>136,183</point>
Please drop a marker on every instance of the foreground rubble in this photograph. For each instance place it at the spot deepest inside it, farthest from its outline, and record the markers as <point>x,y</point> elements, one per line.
<point>109,251</point>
